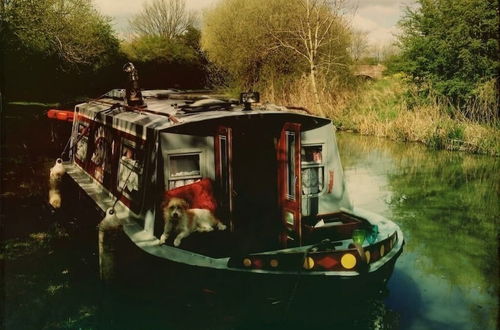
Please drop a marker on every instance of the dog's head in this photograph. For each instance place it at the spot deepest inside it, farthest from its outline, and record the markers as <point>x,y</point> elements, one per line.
<point>176,208</point>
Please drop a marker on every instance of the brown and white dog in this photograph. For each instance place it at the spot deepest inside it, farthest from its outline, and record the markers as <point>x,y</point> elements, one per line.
<point>185,221</point>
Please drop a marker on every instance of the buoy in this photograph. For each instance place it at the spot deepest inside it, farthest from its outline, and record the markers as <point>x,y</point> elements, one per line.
<point>52,113</point>
<point>64,115</point>
<point>109,233</point>
<point>55,198</point>
<point>55,178</point>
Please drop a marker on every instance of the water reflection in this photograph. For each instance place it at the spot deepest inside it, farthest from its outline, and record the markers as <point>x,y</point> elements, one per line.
<point>447,204</point>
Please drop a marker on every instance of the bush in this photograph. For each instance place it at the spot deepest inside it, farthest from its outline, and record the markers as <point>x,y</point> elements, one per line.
<point>449,47</point>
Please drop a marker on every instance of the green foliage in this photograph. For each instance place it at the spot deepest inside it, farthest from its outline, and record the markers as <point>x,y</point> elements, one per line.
<point>234,37</point>
<point>159,49</point>
<point>166,46</point>
<point>54,49</point>
<point>451,46</point>
<point>168,62</point>
<point>71,30</point>
<point>256,41</point>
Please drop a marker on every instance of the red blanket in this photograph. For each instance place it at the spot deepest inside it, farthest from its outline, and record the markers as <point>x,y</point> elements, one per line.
<point>199,195</point>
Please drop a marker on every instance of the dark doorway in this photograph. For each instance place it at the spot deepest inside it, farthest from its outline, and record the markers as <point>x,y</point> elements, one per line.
<point>255,193</point>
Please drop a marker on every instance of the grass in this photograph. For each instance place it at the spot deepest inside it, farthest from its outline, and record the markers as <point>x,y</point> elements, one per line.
<point>37,104</point>
<point>390,108</point>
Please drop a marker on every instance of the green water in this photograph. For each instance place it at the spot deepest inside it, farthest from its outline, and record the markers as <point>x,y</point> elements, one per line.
<point>447,204</point>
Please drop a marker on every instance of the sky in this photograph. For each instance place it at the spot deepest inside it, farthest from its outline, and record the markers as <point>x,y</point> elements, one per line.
<point>378,18</point>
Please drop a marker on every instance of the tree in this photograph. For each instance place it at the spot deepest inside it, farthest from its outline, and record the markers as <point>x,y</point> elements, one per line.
<point>234,38</point>
<point>155,48</point>
<point>451,46</point>
<point>163,18</point>
<point>64,46</point>
<point>72,30</point>
<point>165,45</point>
<point>312,31</point>
<point>359,45</point>
<point>254,39</point>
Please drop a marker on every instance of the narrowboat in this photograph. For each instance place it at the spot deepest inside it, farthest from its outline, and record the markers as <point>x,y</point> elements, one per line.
<point>271,174</point>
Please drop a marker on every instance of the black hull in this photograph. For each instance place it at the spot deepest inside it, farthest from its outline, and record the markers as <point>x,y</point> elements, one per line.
<point>137,263</point>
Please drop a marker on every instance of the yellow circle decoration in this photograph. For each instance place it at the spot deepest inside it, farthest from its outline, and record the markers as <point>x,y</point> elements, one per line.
<point>348,261</point>
<point>308,263</point>
<point>247,262</point>
<point>274,263</point>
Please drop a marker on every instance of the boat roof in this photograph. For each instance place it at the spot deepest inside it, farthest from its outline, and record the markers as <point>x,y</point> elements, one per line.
<point>172,108</point>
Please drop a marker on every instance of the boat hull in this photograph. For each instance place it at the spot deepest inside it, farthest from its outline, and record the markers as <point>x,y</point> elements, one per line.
<point>166,273</point>
<point>137,265</point>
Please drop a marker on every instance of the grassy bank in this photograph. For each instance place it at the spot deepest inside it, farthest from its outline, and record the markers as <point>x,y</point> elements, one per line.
<point>389,108</point>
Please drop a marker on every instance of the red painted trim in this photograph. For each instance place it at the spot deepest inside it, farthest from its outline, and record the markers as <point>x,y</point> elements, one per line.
<point>290,205</point>
<point>227,201</point>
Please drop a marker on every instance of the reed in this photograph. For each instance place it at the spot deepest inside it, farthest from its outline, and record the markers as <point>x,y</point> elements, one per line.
<point>392,108</point>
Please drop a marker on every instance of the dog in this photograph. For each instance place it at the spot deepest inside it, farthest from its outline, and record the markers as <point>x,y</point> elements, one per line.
<point>185,221</point>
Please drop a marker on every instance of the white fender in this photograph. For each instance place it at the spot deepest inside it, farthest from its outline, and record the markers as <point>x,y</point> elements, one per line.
<point>55,198</point>
<point>55,177</point>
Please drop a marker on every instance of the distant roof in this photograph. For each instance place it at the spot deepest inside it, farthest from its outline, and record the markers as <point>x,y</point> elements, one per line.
<point>169,107</point>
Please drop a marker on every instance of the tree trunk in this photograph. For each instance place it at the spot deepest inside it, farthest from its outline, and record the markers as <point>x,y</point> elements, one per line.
<point>314,86</point>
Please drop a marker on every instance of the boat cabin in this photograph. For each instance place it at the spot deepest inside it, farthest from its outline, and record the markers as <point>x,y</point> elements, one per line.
<point>270,173</point>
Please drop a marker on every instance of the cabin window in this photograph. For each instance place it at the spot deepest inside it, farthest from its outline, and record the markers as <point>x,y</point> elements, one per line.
<point>101,153</point>
<point>184,169</point>
<point>81,145</point>
<point>129,170</point>
<point>290,157</point>
<point>312,168</point>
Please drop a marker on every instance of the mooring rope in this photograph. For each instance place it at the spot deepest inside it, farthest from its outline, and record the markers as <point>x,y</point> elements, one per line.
<point>120,193</point>
<point>291,297</point>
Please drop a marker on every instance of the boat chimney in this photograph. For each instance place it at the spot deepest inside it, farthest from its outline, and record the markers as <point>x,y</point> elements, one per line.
<point>248,98</point>
<point>133,91</point>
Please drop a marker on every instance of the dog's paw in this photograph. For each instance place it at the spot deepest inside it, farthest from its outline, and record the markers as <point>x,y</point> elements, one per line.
<point>177,242</point>
<point>163,239</point>
<point>221,226</point>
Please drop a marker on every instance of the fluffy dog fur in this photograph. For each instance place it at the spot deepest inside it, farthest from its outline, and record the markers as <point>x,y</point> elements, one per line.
<point>185,221</point>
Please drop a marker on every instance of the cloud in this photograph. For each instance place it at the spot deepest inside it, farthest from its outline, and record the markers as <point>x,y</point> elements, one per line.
<point>122,8</point>
<point>383,3</point>
<point>120,11</point>
<point>118,8</point>
<point>377,17</point>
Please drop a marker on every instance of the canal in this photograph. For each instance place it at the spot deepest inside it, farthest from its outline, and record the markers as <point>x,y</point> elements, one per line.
<point>447,204</point>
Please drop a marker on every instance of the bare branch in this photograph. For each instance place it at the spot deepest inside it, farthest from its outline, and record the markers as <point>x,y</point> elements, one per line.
<point>165,18</point>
